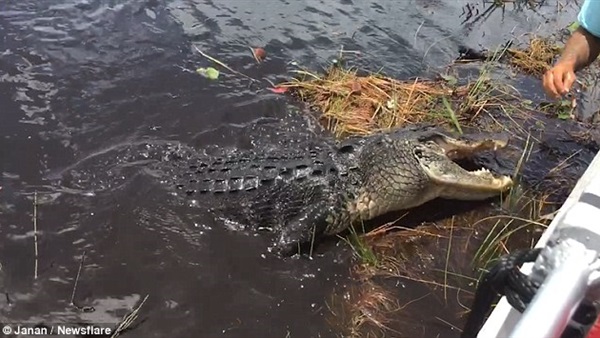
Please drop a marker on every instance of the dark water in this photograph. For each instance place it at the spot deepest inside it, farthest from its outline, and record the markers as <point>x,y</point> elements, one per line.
<point>82,80</point>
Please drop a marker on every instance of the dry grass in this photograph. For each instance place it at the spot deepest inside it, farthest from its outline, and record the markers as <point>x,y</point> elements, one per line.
<point>373,307</point>
<point>586,137</point>
<point>359,105</point>
<point>128,319</point>
<point>365,310</point>
<point>353,104</point>
<point>535,58</point>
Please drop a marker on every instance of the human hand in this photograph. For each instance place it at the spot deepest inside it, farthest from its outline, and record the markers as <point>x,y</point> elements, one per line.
<point>559,79</point>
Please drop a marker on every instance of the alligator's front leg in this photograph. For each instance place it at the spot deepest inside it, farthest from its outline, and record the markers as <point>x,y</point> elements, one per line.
<point>303,230</point>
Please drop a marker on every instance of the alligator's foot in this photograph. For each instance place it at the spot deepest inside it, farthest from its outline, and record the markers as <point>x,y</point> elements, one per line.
<point>299,235</point>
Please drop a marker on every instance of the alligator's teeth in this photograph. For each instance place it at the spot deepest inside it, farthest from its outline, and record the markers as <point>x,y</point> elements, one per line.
<point>482,171</point>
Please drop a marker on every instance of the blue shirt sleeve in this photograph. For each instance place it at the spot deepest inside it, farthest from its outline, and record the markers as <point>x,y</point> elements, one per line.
<point>589,16</point>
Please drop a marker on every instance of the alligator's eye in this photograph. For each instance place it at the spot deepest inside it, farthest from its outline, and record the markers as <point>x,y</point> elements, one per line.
<point>418,152</point>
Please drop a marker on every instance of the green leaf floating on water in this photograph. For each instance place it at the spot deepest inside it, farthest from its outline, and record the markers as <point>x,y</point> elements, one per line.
<point>209,73</point>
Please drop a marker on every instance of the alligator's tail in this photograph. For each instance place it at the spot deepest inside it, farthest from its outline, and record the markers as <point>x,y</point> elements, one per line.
<point>111,167</point>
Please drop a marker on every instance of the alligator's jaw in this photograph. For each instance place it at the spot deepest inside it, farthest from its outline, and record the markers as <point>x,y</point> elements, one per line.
<point>458,149</point>
<point>454,182</point>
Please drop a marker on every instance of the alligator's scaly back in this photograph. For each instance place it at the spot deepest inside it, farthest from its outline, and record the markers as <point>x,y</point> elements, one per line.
<point>273,188</point>
<point>248,171</point>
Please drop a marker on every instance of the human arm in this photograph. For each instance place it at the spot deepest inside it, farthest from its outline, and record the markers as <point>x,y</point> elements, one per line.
<point>582,48</point>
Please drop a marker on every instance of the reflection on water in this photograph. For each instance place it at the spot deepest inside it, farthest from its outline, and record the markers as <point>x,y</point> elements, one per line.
<point>82,80</point>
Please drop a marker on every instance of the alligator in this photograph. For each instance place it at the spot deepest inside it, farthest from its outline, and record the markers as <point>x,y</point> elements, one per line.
<point>323,187</point>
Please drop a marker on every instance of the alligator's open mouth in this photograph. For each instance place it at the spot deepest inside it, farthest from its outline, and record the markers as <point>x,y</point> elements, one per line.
<point>440,162</point>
